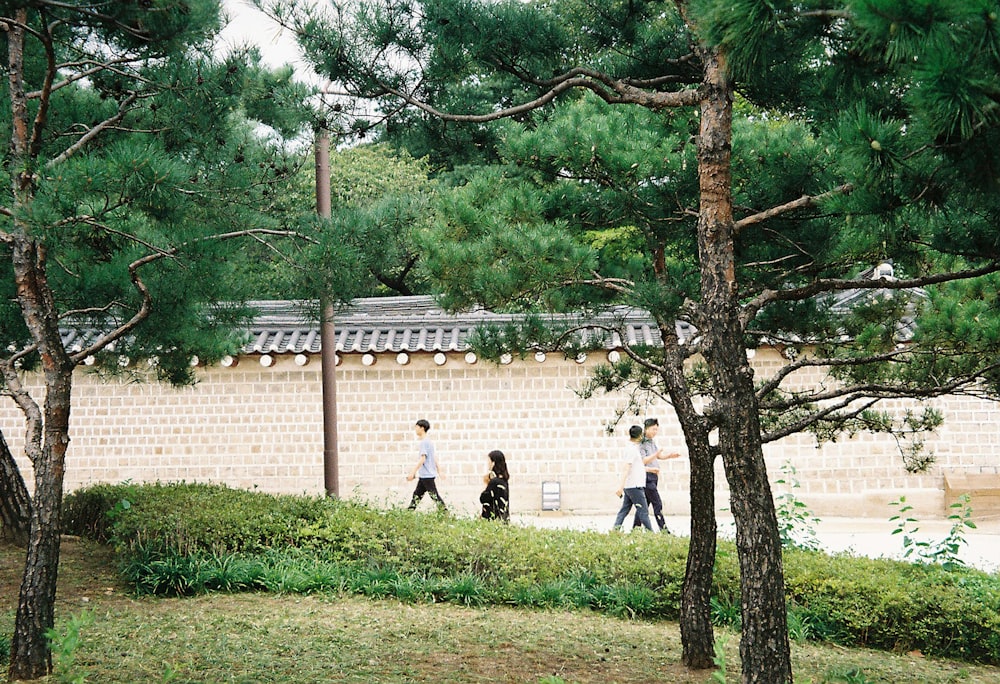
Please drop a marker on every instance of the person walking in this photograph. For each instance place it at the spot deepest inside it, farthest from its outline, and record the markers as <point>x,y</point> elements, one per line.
<point>632,489</point>
<point>651,456</point>
<point>426,470</point>
<point>496,497</point>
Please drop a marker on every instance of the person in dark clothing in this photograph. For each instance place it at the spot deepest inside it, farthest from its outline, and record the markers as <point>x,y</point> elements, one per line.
<point>496,497</point>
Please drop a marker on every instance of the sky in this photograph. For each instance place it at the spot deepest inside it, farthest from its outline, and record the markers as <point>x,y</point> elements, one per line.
<point>249,25</point>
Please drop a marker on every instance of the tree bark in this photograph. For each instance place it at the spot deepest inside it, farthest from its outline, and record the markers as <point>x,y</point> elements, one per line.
<point>15,502</point>
<point>697,635</point>
<point>31,657</point>
<point>30,652</point>
<point>764,647</point>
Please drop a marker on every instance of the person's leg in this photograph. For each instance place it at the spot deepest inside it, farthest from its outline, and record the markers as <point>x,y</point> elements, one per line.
<point>431,486</point>
<point>418,494</point>
<point>623,511</point>
<point>635,521</point>
<point>651,481</point>
<point>653,496</point>
<point>638,496</point>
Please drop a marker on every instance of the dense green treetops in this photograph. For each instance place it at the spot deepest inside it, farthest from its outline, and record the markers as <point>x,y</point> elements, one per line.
<point>150,145</point>
<point>573,201</point>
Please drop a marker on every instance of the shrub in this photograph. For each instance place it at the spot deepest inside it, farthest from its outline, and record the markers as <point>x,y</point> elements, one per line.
<point>185,539</point>
<point>90,512</point>
<point>895,605</point>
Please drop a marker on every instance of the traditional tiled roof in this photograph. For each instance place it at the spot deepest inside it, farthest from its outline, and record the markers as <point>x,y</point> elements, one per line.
<point>412,324</point>
<point>418,324</point>
<point>846,300</point>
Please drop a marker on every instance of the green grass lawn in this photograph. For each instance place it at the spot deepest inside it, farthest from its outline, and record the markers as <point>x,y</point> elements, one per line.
<point>334,638</point>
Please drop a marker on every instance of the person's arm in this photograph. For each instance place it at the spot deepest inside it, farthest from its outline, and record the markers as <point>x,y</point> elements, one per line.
<point>646,460</point>
<point>621,487</point>
<point>413,475</point>
<point>489,495</point>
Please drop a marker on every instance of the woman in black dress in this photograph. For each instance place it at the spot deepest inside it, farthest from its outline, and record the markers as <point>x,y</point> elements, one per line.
<point>496,497</point>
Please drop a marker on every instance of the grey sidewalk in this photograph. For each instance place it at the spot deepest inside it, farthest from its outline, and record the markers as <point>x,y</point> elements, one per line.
<point>859,536</point>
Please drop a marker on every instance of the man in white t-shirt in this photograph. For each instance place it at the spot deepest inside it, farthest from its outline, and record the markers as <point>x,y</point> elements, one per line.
<point>633,486</point>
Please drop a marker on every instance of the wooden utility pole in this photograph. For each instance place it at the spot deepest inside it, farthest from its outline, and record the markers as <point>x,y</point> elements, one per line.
<point>327,334</point>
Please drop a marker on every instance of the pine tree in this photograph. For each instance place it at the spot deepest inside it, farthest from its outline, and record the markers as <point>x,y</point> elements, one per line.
<point>802,143</point>
<point>133,165</point>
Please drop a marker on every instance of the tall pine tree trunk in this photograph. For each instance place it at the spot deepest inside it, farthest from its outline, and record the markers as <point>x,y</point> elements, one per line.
<point>30,656</point>
<point>697,635</point>
<point>15,502</point>
<point>47,433</point>
<point>48,438</point>
<point>764,646</point>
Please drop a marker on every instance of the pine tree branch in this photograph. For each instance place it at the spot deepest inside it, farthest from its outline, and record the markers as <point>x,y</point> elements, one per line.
<point>157,253</point>
<point>815,418</point>
<point>881,391</point>
<point>610,90</point>
<point>8,212</point>
<point>825,285</point>
<point>871,394</point>
<point>98,67</point>
<point>87,12</point>
<point>123,109</point>
<point>619,285</point>
<point>825,14</point>
<point>21,396</point>
<point>45,98</point>
<point>803,202</point>
<point>774,382</point>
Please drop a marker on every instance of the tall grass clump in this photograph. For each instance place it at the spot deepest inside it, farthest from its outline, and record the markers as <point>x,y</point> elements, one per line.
<point>4,648</point>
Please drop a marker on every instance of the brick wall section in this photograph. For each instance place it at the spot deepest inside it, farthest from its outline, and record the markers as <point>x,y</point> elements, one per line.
<point>252,426</point>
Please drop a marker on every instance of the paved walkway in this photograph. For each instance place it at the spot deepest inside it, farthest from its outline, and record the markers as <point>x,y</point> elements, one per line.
<point>859,536</point>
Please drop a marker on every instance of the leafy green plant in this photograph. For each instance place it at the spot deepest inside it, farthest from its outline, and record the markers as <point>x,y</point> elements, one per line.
<point>313,545</point>
<point>719,658</point>
<point>377,581</point>
<point>465,589</point>
<point>169,674</point>
<point>92,511</point>
<point>945,551</point>
<point>726,610</point>
<point>64,646</point>
<point>796,522</point>
<point>569,592</point>
<point>800,627</point>
<point>850,675</point>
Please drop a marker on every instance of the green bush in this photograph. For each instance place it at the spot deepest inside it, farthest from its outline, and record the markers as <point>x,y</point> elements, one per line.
<point>183,539</point>
<point>91,512</point>
<point>894,605</point>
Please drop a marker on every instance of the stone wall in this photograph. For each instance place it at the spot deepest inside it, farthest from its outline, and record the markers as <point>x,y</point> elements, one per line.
<point>256,426</point>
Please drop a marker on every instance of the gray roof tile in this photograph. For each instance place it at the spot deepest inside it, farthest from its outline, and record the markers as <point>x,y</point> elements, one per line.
<point>407,324</point>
